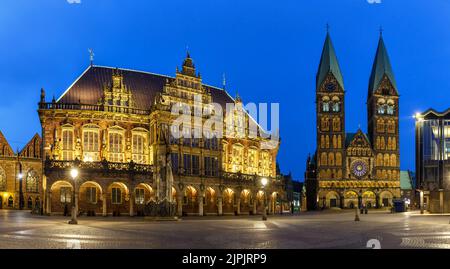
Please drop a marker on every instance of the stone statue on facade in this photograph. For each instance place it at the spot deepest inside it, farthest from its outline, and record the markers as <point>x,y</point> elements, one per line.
<point>164,206</point>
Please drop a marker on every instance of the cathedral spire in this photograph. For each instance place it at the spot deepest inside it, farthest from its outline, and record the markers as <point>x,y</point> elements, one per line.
<point>381,67</point>
<point>328,63</point>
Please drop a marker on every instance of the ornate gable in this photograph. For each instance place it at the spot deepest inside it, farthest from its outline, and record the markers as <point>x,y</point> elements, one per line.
<point>32,149</point>
<point>5,148</point>
<point>358,145</point>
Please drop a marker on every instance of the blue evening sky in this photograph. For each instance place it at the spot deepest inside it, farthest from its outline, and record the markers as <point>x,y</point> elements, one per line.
<point>269,50</point>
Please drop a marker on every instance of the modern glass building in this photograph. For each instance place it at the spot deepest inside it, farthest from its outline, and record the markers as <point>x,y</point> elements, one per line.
<point>433,160</point>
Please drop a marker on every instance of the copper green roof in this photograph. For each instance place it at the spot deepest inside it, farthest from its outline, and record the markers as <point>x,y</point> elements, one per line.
<point>328,64</point>
<point>381,67</point>
<point>405,180</point>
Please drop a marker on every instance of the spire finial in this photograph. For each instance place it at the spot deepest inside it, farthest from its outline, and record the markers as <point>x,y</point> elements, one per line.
<point>381,31</point>
<point>327,27</point>
<point>91,56</point>
<point>187,51</point>
<point>224,81</point>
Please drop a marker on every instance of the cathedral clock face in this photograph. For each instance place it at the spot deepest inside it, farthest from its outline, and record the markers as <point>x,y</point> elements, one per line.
<point>330,87</point>
<point>359,168</point>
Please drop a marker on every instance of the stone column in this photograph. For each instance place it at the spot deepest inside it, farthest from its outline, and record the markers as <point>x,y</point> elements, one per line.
<point>200,205</point>
<point>421,202</point>
<point>254,206</point>
<point>104,202</point>
<point>377,201</point>
<point>219,206</point>
<point>238,206</point>
<point>49,202</point>
<point>76,201</point>
<point>441,200</point>
<point>132,198</point>
<point>179,205</point>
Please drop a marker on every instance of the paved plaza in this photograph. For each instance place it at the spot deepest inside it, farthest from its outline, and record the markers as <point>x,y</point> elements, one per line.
<point>329,229</point>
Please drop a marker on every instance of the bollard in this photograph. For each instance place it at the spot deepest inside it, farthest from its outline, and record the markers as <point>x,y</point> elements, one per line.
<point>356,215</point>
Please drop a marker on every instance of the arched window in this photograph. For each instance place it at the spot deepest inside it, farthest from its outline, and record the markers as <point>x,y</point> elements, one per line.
<point>393,160</point>
<point>325,124</point>
<point>336,107</point>
<point>32,181</point>
<point>390,109</point>
<point>339,141</point>
<point>331,159</point>
<point>380,159</point>
<point>380,126</point>
<point>2,180</point>
<point>326,106</point>
<point>386,159</point>
<point>338,159</point>
<point>323,158</point>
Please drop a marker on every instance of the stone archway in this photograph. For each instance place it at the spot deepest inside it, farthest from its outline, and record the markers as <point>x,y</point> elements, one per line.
<point>60,197</point>
<point>350,199</point>
<point>90,199</point>
<point>190,203</point>
<point>369,199</point>
<point>210,205</point>
<point>228,202</point>
<point>117,199</point>
<point>386,198</point>
<point>259,202</point>
<point>245,202</point>
<point>332,199</point>
<point>143,194</point>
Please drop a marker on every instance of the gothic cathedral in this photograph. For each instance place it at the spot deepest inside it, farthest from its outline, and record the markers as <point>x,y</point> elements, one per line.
<point>357,169</point>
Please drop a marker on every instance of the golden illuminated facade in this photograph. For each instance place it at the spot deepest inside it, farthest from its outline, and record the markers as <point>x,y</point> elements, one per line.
<point>355,169</point>
<point>116,126</point>
<point>21,175</point>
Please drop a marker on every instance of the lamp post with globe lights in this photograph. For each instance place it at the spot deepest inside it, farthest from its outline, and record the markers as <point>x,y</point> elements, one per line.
<point>264,182</point>
<point>74,175</point>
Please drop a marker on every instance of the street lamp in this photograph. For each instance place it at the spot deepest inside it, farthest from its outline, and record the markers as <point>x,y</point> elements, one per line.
<point>264,182</point>
<point>74,174</point>
<point>20,176</point>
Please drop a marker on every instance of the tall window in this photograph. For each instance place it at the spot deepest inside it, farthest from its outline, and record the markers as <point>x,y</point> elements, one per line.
<point>138,148</point>
<point>32,182</point>
<point>390,110</point>
<point>187,164</point>
<point>336,107</point>
<point>196,137</point>
<point>252,161</point>
<point>140,196</point>
<point>325,106</point>
<point>175,164</point>
<point>91,195</point>
<point>195,165</point>
<point>115,147</point>
<point>211,166</point>
<point>116,196</point>
<point>90,144</point>
<point>65,194</point>
<point>2,180</point>
<point>238,151</point>
<point>67,144</point>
